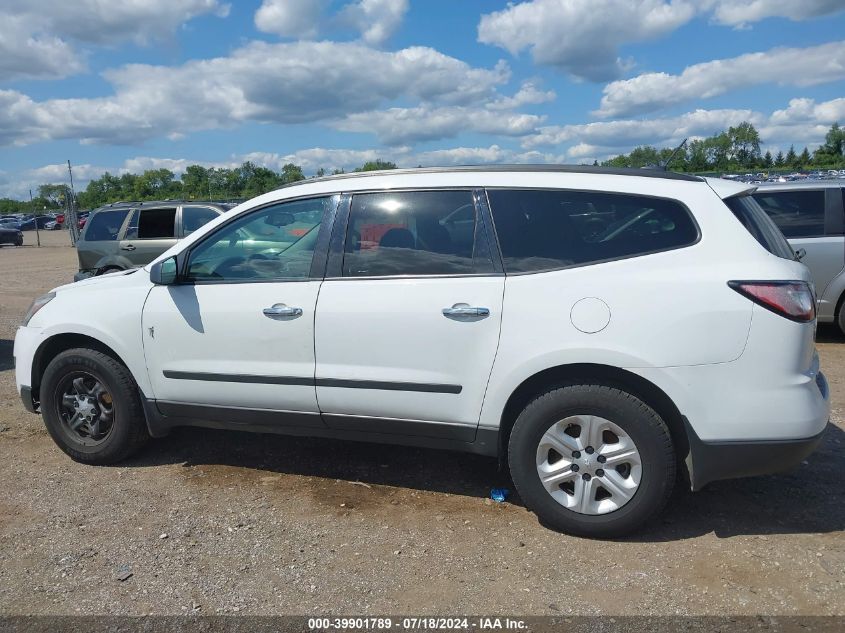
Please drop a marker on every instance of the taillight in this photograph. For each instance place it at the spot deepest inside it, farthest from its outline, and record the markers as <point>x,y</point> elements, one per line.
<point>791,299</point>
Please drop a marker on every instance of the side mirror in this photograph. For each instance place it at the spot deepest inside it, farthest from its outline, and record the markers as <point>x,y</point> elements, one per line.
<point>163,273</point>
<point>800,254</point>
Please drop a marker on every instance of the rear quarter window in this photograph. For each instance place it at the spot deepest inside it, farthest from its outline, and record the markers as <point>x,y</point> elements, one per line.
<point>548,229</point>
<point>104,225</point>
<point>757,222</point>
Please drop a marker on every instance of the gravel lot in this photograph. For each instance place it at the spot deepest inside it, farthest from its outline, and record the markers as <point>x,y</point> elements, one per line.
<point>220,522</point>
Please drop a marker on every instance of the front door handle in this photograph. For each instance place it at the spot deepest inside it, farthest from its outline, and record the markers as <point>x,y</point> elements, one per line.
<point>464,310</point>
<point>281,310</point>
<point>128,247</point>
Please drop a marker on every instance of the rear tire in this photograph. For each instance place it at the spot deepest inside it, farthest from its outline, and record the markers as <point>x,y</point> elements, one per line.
<point>92,408</point>
<point>602,491</point>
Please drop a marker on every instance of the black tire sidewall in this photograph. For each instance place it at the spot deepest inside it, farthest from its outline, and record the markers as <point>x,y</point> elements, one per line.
<point>645,427</point>
<point>125,400</point>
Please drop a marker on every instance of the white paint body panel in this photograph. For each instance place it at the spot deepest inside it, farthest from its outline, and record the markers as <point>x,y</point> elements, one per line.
<point>220,328</point>
<point>393,330</point>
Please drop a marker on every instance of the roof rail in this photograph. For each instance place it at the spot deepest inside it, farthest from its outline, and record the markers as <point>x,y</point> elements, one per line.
<point>570,169</point>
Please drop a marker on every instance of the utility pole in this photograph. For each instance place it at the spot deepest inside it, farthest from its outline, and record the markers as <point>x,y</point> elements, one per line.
<point>71,210</point>
<point>32,206</point>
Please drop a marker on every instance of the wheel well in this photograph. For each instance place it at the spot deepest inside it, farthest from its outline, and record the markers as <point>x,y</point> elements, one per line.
<point>585,373</point>
<point>839,306</point>
<point>102,270</point>
<point>59,343</point>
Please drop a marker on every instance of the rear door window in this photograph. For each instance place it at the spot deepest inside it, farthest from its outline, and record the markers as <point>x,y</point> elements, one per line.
<point>752,216</point>
<point>548,229</point>
<point>150,224</point>
<point>415,233</point>
<point>104,225</point>
<point>797,213</point>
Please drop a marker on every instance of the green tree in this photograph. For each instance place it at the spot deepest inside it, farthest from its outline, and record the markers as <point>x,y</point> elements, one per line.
<point>55,195</point>
<point>767,160</point>
<point>195,182</point>
<point>804,159</point>
<point>779,159</point>
<point>834,141</point>
<point>291,173</point>
<point>257,180</point>
<point>744,145</point>
<point>377,165</point>
<point>791,159</point>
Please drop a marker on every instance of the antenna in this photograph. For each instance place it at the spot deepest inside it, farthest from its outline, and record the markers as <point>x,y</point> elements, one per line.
<point>668,161</point>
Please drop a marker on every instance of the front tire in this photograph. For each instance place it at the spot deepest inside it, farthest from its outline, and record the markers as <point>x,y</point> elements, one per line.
<point>592,460</point>
<point>91,407</point>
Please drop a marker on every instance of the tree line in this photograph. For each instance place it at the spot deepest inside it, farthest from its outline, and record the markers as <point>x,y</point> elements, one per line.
<point>197,183</point>
<point>738,149</point>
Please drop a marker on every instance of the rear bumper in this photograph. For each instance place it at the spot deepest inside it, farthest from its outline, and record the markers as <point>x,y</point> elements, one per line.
<point>709,461</point>
<point>713,461</point>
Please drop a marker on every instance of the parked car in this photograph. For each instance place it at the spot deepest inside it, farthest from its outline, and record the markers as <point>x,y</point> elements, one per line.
<point>812,217</point>
<point>41,221</point>
<point>10,236</point>
<point>475,309</point>
<point>81,219</point>
<point>10,223</point>
<point>124,235</point>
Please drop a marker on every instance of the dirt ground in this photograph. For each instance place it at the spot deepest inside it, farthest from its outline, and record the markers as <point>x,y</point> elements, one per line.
<point>221,522</point>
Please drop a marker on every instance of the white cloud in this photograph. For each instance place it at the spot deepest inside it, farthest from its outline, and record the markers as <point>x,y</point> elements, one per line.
<point>25,53</point>
<point>376,20</point>
<point>408,125</point>
<point>258,82</point>
<point>299,19</point>
<point>740,13</point>
<point>785,66</point>
<point>529,93</point>
<point>582,37</point>
<point>37,36</point>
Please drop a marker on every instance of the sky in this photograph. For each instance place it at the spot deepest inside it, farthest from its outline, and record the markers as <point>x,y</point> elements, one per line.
<point>142,84</point>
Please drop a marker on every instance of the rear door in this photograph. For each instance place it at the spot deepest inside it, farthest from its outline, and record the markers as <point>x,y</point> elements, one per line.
<point>408,317</point>
<point>150,232</point>
<point>811,219</point>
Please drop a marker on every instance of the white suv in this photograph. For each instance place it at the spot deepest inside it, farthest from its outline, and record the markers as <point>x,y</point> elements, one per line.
<point>597,330</point>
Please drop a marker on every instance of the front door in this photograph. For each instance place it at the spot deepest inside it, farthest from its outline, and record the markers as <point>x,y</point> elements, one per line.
<point>406,334</point>
<point>237,334</point>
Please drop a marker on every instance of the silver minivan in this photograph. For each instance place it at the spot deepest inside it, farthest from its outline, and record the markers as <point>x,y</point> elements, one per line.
<point>129,234</point>
<point>812,217</point>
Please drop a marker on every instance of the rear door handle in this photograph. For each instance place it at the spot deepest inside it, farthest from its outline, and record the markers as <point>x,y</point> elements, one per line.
<point>281,310</point>
<point>464,310</point>
<point>127,247</point>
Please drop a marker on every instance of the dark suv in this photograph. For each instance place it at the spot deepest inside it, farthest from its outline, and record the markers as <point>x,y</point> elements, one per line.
<point>129,234</point>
